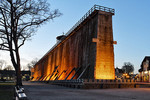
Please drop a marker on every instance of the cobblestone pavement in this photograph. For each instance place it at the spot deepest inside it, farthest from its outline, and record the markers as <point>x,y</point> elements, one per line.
<point>41,91</point>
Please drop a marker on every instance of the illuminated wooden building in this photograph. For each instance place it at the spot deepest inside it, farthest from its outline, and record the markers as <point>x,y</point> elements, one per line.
<point>144,71</point>
<point>85,52</point>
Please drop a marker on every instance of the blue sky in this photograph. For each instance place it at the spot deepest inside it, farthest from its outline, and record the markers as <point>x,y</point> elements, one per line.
<point>131,28</point>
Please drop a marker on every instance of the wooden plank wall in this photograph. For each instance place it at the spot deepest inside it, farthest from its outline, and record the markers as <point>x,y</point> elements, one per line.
<point>90,44</point>
<point>77,50</point>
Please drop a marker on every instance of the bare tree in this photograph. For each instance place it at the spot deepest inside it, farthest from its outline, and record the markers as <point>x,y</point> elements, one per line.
<point>19,19</point>
<point>8,67</point>
<point>32,63</point>
<point>2,64</point>
<point>128,68</point>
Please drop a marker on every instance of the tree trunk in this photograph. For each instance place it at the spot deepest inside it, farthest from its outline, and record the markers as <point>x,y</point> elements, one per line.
<point>18,76</point>
<point>15,58</point>
<point>17,68</point>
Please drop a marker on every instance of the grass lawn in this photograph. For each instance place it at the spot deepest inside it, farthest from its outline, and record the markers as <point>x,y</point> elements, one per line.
<point>6,91</point>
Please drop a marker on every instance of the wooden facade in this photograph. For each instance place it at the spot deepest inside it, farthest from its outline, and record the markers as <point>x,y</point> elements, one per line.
<point>144,71</point>
<point>86,52</point>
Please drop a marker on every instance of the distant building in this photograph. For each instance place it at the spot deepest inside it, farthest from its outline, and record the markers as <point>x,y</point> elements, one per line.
<point>7,75</point>
<point>118,72</point>
<point>26,75</point>
<point>144,71</point>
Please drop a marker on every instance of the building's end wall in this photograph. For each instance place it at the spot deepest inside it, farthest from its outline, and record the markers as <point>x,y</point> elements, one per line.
<point>104,68</point>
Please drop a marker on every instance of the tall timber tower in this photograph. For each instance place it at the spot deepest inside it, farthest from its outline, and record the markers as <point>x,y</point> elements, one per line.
<point>104,68</point>
<point>85,52</point>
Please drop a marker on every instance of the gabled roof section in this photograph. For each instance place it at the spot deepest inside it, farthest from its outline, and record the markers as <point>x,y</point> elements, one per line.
<point>146,58</point>
<point>141,67</point>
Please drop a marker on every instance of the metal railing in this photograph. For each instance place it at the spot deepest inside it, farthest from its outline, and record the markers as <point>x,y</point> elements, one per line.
<point>84,81</point>
<point>95,7</point>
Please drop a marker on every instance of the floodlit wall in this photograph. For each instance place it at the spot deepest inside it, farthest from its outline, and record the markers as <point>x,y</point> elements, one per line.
<point>104,68</point>
<point>90,44</point>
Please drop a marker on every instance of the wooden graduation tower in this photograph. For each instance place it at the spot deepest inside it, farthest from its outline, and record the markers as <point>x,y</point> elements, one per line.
<point>85,52</point>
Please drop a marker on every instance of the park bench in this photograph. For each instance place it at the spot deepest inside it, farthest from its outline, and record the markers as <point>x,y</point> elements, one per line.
<point>19,93</point>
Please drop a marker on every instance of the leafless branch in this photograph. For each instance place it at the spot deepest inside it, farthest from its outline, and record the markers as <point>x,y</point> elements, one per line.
<point>18,21</point>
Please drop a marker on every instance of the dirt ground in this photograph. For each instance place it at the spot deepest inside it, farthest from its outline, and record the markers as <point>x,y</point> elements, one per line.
<point>41,91</point>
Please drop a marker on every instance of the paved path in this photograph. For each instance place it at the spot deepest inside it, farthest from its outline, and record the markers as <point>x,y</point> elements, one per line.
<point>41,91</point>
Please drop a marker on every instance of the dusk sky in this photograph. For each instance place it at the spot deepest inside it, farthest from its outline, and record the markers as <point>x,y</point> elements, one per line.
<point>131,29</point>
